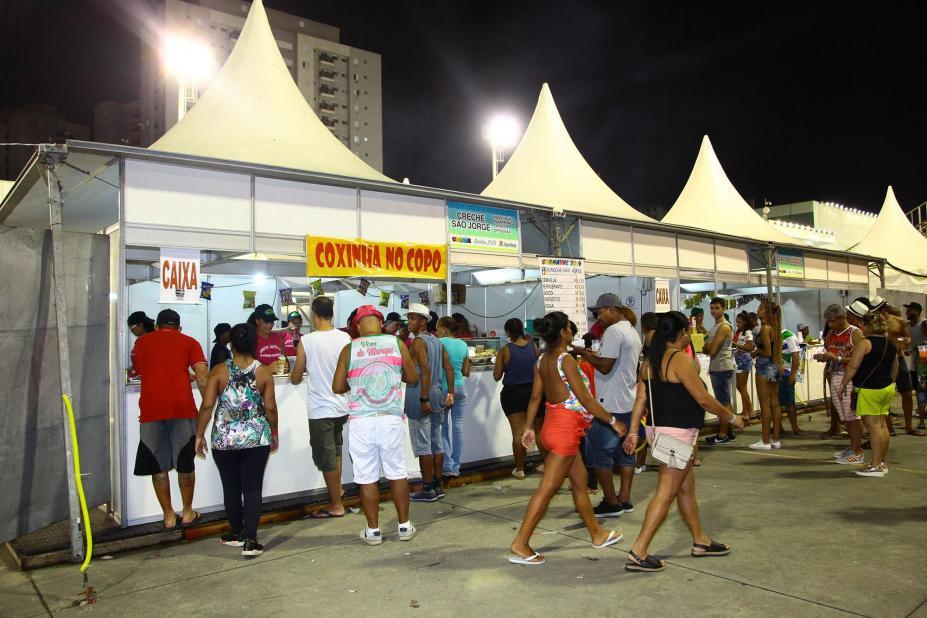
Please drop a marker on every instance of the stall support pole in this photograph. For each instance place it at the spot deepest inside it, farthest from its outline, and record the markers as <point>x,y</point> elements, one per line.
<point>769,260</point>
<point>881,266</point>
<point>51,155</point>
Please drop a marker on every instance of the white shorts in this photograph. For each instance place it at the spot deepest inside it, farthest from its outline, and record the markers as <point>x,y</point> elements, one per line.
<point>375,442</point>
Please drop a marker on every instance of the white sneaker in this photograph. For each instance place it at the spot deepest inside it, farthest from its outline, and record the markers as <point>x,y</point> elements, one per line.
<point>776,444</point>
<point>519,474</point>
<point>641,469</point>
<point>761,446</point>
<point>371,539</point>
<point>844,453</point>
<point>406,534</point>
<point>852,458</point>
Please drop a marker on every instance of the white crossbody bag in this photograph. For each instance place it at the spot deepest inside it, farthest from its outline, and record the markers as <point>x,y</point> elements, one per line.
<point>665,448</point>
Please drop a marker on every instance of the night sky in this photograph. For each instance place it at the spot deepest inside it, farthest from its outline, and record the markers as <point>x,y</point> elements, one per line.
<point>822,100</point>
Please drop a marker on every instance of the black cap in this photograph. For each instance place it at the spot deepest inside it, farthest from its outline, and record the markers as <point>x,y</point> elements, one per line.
<point>294,314</point>
<point>392,316</point>
<point>265,312</point>
<point>140,317</point>
<point>221,329</point>
<point>168,317</point>
<point>916,306</point>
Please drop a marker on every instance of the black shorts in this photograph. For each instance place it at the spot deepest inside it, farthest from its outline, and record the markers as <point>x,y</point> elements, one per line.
<point>166,445</point>
<point>903,383</point>
<point>515,397</point>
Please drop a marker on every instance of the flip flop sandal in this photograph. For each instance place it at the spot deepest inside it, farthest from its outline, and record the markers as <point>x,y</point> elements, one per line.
<point>531,560</point>
<point>714,549</point>
<point>196,518</point>
<point>613,537</point>
<point>324,514</point>
<point>636,564</point>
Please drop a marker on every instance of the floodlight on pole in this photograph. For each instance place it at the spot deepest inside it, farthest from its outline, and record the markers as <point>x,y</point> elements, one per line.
<point>502,131</point>
<point>190,62</point>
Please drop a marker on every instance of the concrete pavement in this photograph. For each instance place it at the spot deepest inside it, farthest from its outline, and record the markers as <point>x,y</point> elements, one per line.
<point>809,537</point>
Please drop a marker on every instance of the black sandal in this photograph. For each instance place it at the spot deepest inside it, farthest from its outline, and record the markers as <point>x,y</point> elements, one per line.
<point>714,549</point>
<point>643,565</point>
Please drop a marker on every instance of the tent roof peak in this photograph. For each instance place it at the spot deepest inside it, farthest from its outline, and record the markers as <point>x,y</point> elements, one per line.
<point>254,112</point>
<point>547,169</point>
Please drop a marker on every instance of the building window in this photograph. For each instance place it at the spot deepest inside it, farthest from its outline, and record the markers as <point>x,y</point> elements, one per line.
<point>356,139</point>
<point>355,62</point>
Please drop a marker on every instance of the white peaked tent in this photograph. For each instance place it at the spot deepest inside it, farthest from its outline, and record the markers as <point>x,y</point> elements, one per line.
<point>548,170</point>
<point>253,112</point>
<point>710,202</point>
<point>894,238</point>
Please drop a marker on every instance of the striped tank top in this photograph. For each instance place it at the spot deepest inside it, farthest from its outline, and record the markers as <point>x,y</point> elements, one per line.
<point>375,376</point>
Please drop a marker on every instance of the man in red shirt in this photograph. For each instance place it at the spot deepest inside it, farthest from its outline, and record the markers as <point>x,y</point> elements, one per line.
<point>168,413</point>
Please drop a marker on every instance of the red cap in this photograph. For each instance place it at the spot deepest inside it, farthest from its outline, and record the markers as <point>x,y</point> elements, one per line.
<point>365,311</point>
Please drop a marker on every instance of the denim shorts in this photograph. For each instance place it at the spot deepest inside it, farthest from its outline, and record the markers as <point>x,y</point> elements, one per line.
<point>604,449</point>
<point>786,391</point>
<point>721,385</point>
<point>744,363</point>
<point>425,433</point>
<point>767,369</point>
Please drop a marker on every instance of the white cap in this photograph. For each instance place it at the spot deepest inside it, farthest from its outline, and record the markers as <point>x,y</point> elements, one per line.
<point>418,308</point>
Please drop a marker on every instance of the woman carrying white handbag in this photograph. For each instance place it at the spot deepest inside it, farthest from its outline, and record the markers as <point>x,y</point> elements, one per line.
<point>678,400</point>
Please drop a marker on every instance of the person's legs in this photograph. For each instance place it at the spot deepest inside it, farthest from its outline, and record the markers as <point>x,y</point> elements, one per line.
<point>762,385</point>
<point>878,437</point>
<point>517,424</point>
<point>437,449</point>
<point>627,479</point>
<point>370,503</point>
<point>721,387</point>
<point>581,500</point>
<point>746,405</point>
<point>326,442</point>
<point>187,482</point>
<point>855,430</point>
<point>667,488</point>
<point>182,432</point>
<point>229,465</point>
<point>775,422</point>
<point>598,448</point>
<point>162,488</point>
<point>688,508</point>
<point>556,468</point>
<point>907,406</point>
<point>426,464</point>
<point>253,463</point>
<point>400,490</point>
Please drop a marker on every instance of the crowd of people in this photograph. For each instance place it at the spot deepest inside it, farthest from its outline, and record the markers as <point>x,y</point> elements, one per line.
<point>591,408</point>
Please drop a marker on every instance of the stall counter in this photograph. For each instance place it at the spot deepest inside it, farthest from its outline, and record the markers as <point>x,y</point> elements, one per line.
<point>290,471</point>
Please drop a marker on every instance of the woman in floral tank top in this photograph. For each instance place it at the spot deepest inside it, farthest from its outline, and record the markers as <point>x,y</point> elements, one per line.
<point>244,433</point>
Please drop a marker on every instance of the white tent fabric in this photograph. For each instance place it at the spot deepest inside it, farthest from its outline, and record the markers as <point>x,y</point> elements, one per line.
<point>710,202</point>
<point>547,169</point>
<point>254,112</point>
<point>894,238</point>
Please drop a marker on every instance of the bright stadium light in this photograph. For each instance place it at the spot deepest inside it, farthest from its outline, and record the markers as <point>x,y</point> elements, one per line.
<point>190,62</point>
<point>502,132</point>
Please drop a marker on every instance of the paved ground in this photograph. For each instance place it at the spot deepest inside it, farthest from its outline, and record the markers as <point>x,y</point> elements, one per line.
<point>810,539</point>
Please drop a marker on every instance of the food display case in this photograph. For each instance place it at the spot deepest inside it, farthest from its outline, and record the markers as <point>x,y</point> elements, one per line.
<point>482,350</point>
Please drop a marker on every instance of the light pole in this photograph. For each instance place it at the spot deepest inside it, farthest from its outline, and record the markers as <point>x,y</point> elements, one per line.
<point>501,132</point>
<point>190,62</point>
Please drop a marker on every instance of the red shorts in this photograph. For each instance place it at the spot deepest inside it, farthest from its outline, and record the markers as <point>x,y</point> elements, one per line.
<point>563,429</point>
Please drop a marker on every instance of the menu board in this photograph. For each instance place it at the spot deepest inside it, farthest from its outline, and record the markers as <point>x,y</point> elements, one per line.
<point>563,281</point>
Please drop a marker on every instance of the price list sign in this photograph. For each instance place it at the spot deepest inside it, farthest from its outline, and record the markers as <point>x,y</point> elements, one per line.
<point>563,281</point>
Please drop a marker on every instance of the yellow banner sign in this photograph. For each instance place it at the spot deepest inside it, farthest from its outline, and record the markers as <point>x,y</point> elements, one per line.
<point>342,257</point>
